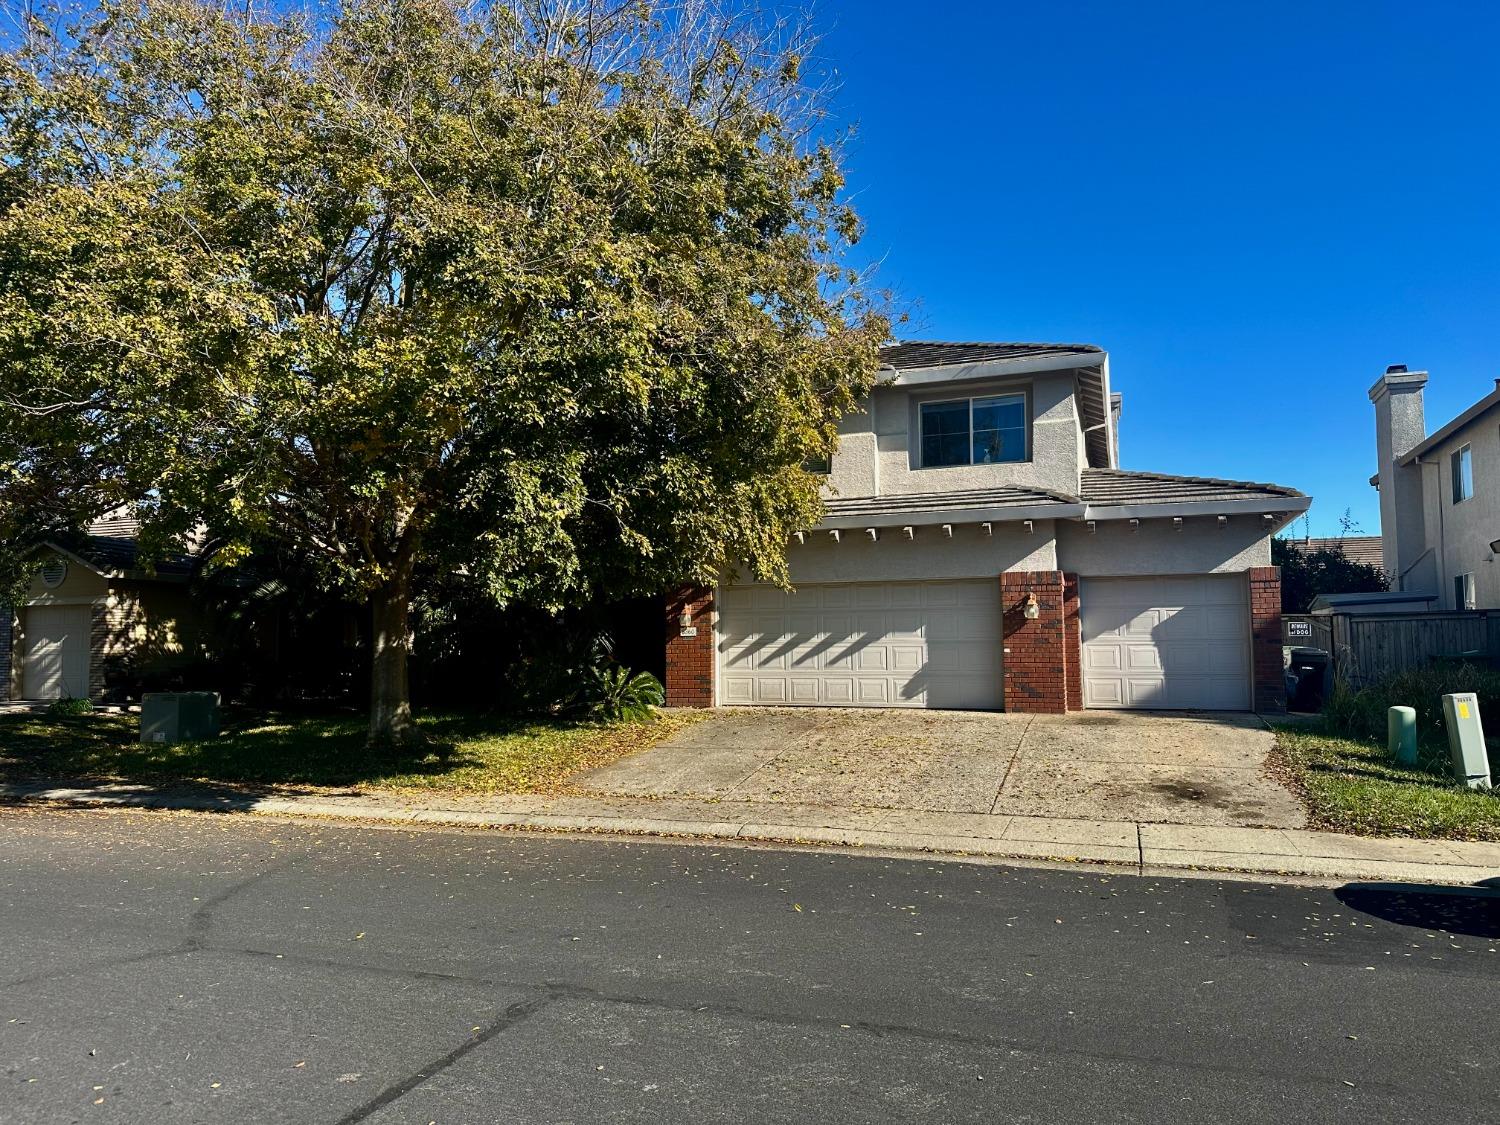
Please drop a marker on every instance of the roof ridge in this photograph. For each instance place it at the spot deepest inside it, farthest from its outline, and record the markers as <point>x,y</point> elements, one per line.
<point>1198,480</point>
<point>996,344</point>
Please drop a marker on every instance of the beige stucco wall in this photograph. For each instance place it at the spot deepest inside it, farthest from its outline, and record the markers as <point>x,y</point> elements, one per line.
<point>1199,547</point>
<point>1461,533</point>
<point>80,583</point>
<point>893,558</point>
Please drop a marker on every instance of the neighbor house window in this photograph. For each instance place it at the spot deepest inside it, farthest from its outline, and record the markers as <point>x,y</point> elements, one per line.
<point>1463,474</point>
<point>974,431</point>
<point>1463,591</point>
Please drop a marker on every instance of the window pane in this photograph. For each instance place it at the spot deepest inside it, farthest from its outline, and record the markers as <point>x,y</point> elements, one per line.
<point>1462,466</point>
<point>1007,412</point>
<point>991,446</point>
<point>945,433</point>
<point>999,429</point>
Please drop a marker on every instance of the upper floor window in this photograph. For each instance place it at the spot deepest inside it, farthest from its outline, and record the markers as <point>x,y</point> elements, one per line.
<point>1463,591</point>
<point>974,431</point>
<point>1462,461</point>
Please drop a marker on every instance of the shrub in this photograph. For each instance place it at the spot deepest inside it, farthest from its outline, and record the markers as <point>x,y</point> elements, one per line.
<point>1362,713</point>
<point>612,692</point>
<point>64,707</point>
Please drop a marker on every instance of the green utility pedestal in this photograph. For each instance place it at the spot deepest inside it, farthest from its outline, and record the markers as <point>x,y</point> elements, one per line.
<point>1401,734</point>
<point>1471,764</point>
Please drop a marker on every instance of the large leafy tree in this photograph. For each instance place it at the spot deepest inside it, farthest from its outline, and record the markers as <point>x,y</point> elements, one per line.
<point>1306,574</point>
<point>546,292</point>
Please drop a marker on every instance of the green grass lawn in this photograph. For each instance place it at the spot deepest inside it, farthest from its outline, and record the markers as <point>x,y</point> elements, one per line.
<point>1351,785</point>
<point>467,754</point>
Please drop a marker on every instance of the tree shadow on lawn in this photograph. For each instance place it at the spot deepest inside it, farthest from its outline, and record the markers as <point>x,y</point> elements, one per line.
<point>269,751</point>
<point>1469,911</point>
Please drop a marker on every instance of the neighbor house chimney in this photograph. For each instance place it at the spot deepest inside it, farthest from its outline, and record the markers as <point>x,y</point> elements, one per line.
<point>1399,425</point>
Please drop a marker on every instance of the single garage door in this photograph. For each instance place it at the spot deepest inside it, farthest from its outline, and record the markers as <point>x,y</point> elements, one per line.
<point>55,651</point>
<point>1181,642</point>
<point>896,644</point>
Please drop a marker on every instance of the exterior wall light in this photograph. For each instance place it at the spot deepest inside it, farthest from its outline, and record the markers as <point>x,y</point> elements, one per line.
<point>685,619</point>
<point>1032,609</point>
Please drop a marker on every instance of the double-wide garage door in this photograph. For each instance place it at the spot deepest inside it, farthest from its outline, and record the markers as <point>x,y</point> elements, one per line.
<point>893,644</point>
<point>1178,643</point>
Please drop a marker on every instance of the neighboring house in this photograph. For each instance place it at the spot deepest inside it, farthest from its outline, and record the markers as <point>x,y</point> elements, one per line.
<point>1439,495</point>
<point>1366,604</point>
<point>1363,549</point>
<point>91,615</point>
<point>983,549</point>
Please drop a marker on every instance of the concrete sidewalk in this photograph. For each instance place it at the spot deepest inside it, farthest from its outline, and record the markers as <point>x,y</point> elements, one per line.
<point>1148,848</point>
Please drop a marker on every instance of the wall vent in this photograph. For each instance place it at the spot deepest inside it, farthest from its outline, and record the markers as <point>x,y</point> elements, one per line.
<point>54,571</point>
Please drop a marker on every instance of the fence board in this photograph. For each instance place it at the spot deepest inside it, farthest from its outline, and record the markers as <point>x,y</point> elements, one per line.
<point>1369,648</point>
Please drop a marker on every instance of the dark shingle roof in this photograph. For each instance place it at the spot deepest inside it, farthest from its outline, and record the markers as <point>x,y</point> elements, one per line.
<point>1103,487</point>
<point>934,353</point>
<point>1356,548</point>
<point>973,498</point>
<point>111,545</point>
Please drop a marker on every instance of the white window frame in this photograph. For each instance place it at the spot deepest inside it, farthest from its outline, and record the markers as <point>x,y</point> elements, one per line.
<point>970,399</point>
<point>1463,455</point>
<point>1463,590</point>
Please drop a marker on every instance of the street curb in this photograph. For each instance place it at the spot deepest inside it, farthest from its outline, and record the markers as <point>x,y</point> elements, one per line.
<point>1061,842</point>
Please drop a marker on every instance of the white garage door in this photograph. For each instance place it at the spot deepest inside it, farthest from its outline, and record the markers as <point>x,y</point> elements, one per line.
<point>896,644</point>
<point>55,652</point>
<point>1179,642</point>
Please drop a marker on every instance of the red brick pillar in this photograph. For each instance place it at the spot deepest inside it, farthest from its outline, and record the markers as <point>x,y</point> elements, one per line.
<point>1265,638</point>
<point>1072,643</point>
<point>690,659</point>
<point>1035,660</point>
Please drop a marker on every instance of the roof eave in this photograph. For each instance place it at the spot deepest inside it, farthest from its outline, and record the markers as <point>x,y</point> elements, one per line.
<point>1442,434</point>
<point>58,548</point>
<point>992,368</point>
<point>1289,506</point>
<point>1003,513</point>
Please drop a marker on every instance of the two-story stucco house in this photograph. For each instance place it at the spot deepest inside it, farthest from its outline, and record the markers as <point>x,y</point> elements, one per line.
<point>983,549</point>
<point>1439,495</point>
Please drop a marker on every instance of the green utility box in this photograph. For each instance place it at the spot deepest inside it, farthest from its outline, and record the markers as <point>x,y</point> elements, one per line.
<point>1401,734</point>
<point>1471,763</point>
<point>179,716</point>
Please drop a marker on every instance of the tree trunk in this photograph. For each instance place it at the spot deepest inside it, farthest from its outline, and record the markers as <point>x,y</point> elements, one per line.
<point>390,690</point>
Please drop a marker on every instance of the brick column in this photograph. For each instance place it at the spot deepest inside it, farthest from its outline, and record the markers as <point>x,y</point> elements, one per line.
<point>1072,643</point>
<point>7,621</point>
<point>1035,661</point>
<point>690,660</point>
<point>1265,638</point>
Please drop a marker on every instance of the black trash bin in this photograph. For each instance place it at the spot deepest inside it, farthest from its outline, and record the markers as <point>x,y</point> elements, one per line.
<point>1306,676</point>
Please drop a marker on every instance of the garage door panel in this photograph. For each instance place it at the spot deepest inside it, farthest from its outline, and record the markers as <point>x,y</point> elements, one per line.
<point>804,689</point>
<point>1181,642</point>
<point>906,658</point>
<point>837,690</point>
<point>915,644</point>
<point>770,689</point>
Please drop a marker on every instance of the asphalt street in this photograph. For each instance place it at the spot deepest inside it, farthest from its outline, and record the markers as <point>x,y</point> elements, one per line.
<point>170,968</point>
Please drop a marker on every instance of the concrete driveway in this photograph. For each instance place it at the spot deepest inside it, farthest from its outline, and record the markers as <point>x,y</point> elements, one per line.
<point>1171,768</point>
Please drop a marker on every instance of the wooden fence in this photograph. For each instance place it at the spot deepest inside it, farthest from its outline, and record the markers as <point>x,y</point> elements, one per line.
<point>1366,648</point>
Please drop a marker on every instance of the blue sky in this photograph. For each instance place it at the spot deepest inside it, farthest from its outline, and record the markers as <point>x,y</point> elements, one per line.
<point>1254,209</point>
